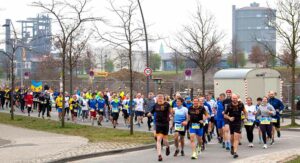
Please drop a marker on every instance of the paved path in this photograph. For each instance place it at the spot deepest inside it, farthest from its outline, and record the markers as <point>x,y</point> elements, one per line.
<point>213,154</point>
<point>27,145</point>
<point>4,142</point>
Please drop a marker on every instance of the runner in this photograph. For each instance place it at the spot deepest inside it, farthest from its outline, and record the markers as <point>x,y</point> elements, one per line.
<point>162,111</point>
<point>59,105</point>
<point>265,112</point>
<point>29,101</point>
<point>226,130</point>
<point>150,102</point>
<point>180,122</point>
<point>220,119</point>
<point>2,97</point>
<point>257,121</point>
<point>74,104</point>
<point>139,109</point>
<point>67,105</point>
<point>249,125</point>
<point>101,107</point>
<point>233,113</point>
<point>115,109</point>
<point>92,103</point>
<point>213,104</point>
<point>278,106</point>
<point>196,116</point>
<point>85,108</point>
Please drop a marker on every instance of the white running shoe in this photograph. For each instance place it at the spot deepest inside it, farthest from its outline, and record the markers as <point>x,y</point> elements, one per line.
<point>251,145</point>
<point>265,146</point>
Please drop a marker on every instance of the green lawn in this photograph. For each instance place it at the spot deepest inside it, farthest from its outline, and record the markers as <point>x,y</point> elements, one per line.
<point>166,72</point>
<point>93,134</point>
<point>290,126</point>
<point>297,160</point>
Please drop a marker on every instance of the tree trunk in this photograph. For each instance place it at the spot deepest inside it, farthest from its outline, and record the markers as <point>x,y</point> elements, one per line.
<point>63,91</point>
<point>131,91</point>
<point>203,82</point>
<point>12,89</point>
<point>293,121</point>
<point>71,77</point>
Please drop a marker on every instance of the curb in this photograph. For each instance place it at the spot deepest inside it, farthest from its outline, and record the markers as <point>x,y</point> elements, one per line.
<point>291,129</point>
<point>106,153</point>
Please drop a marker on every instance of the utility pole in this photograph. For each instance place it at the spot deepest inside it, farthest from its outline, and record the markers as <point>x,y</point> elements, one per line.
<point>147,50</point>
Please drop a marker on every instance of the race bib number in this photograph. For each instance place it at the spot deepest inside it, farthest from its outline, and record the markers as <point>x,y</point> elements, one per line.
<point>243,116</point>
<point>179,127</point>
<point>249,123</point>
<point>92,110</point>
<point>274,120</point>
<point>28,105</point>
<point>75,110</point>
<point>101,109</point>
<point>195,126</point>
<point>265,121</point>
<point>115,110</point>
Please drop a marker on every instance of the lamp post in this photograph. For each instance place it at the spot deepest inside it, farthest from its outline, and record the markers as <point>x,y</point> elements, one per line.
<point>147,50</point>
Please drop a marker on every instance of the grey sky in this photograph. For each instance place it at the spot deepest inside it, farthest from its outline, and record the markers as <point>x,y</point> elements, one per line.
<point>165,16</point>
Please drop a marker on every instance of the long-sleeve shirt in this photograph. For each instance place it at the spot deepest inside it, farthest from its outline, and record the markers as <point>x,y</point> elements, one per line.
<point>278,106</point>
<point>263,111</point>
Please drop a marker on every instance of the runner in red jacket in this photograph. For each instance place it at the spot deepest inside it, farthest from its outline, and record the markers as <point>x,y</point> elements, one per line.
<point>29,101</point>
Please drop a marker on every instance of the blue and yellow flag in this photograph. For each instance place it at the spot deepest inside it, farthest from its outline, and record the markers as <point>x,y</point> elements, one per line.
<point>36,86</point>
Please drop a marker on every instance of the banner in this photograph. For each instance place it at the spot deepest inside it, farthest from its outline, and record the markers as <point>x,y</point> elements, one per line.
<point>36,86</point>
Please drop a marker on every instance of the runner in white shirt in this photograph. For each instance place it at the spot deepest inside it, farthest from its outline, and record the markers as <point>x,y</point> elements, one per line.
<point>213,105</point>
<point>249,124</point>
<point>139,109</point>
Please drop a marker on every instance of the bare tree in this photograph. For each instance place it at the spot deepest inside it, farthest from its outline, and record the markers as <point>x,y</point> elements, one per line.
<point>13,45</point>
<point>256,56</point>
<point>121,60</point>
<point>287,25</point>
<point>77,45</point>
<point>178,61</point>
<point>126,35</point>
<point>70,16</point>
<point>201,41</point>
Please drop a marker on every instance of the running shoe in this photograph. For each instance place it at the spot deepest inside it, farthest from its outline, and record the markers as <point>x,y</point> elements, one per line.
<point>160,158</point>
<point>223,145</point>
<point>235,155</point>
<point>167,151</point>
<point>265,146</point>
<point>278,134</point>
<point>232,151</point>
<point>194,156</point>
<point>182,153</point>
<point>176,152</point>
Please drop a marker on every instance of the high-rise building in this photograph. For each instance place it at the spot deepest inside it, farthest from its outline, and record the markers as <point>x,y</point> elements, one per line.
<point>250,27</point>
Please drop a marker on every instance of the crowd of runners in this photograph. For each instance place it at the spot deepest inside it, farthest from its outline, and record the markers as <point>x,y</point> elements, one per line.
<point>199,118</point>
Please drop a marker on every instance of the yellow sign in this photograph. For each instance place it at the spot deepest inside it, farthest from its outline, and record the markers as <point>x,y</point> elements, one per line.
<point>101,74</point>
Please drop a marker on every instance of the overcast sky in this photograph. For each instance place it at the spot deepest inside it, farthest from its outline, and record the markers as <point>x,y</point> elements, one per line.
<point>165,16</point>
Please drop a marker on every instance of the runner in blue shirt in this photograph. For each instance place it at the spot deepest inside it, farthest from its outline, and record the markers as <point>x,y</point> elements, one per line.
<point>220,119</point>
<point>100,107</point>
<point>180,121</point>
<point>115,109</point>
<point>92,103</point>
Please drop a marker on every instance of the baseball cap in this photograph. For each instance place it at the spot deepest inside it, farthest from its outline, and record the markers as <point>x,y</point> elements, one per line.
<point>228,91</point>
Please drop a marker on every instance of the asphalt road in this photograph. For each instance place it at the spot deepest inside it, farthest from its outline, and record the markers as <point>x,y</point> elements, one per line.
<point>213,154</point>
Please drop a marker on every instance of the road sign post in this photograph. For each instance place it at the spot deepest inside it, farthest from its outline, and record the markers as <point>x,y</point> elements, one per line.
<point>147,71</point>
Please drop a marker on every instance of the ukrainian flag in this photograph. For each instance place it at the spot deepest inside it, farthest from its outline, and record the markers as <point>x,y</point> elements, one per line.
<point>36,86</point>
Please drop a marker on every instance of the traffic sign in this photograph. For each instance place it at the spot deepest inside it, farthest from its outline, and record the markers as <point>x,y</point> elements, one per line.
<point>148,71</point>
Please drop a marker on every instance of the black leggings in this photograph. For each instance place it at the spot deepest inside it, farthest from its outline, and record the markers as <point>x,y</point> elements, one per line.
<point>249,130</point>
<point>266,130</point>
<point>150,120</point>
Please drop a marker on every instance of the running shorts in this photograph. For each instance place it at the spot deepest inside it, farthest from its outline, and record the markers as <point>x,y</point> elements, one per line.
<point>100,112</point>
<point>115,116</point>
<point>93,114</point>
<point>162,129</point>
<point>139,113</point>
<point>198,132</point>
<point>125,113</point>
<point>59,110</point>
<point>235,128</point>
<point>220,124</point>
